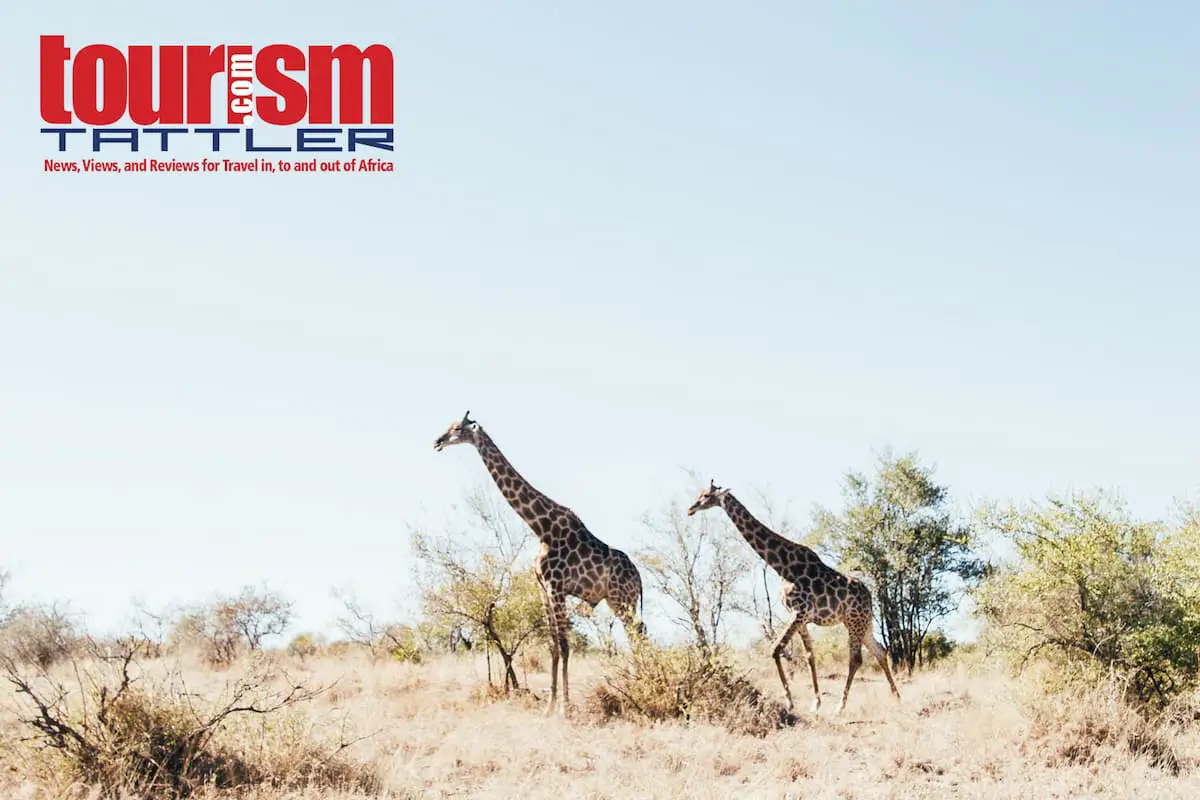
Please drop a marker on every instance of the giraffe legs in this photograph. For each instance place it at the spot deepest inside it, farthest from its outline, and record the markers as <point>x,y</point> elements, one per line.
<point>562,627</point>
<point>882,657</point>
<point>859,639</point>
<point>556,617</point>
<point>810,656</point>
<point>777,653</point>
<point>856,659</point>
<point>552,632</point>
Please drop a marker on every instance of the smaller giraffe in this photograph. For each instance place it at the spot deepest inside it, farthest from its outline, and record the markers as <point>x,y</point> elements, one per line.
<point>572,561</point>
<point>812,591</point>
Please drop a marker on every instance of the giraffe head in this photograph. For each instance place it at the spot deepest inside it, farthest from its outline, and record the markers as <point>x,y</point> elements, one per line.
<point>465,431</point>
<point>709,498</point>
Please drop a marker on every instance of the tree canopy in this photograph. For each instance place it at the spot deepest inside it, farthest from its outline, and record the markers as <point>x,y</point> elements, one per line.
<point>897,530</point>
<point>1099,591</point>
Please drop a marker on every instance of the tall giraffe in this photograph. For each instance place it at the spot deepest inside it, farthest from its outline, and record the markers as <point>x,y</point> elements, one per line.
<point>572,562</point>
<point>812,590</point>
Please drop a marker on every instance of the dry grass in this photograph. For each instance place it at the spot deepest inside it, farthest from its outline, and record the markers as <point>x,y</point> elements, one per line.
<point>960,731</point>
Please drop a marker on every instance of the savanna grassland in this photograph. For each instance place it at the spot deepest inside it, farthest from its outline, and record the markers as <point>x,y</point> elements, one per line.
<point>1084,680</point>
<point>381,728</point>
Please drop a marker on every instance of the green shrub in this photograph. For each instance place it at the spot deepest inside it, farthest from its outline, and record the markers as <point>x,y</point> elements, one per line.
<point>305,645</point>
<point>1100,594</point>
<point>403,645</point>
<point>936,646</point>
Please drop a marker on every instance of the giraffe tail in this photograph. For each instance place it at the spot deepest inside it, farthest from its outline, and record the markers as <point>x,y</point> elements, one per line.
<point>641,626</point>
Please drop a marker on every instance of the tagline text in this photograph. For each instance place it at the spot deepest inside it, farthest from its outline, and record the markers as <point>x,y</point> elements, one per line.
<point>217,165</point>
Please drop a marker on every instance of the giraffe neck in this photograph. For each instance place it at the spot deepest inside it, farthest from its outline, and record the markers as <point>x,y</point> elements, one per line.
<point>770,546</point>
<point>530,504</point>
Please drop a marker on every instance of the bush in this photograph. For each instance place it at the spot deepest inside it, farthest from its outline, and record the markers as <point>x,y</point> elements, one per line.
<point>229,626</point>
<point>37,635</point>
<point>125,734</point>
<point>402,644</point>
<point>205,632</point>
<point>936,647</point>
<point>1099,593</point>
<point>339,648</point>
<point>393,640</point>
<point>654,683</point>
<point>305,645</point>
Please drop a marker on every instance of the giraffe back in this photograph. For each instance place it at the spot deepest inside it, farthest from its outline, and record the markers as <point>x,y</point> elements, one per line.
<point>576,562</point>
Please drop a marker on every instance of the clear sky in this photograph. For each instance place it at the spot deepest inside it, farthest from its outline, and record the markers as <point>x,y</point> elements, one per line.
<point>763,241</point>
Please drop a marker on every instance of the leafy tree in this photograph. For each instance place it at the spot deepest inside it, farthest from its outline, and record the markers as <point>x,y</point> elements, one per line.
<point>1099,591</point>
<point>1178,573</point>
<point>479,578</point>
<point>900,534</point>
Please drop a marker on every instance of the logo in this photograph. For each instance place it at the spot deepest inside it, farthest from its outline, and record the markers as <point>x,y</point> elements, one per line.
<point>280,98</point>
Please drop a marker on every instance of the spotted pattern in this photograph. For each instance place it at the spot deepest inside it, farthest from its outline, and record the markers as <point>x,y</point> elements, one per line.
<point>813,592</point>
<point>572,561</point>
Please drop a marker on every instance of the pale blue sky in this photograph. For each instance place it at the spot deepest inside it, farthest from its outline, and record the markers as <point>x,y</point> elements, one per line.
<point>759,240</point>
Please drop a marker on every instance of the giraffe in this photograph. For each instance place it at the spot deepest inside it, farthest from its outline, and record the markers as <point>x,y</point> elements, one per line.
<point>812,591</point>
<point>572,562</point>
